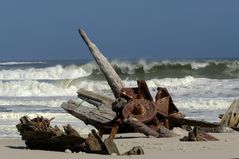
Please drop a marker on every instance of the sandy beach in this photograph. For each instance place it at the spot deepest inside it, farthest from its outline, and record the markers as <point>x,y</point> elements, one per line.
<point>168,148</point>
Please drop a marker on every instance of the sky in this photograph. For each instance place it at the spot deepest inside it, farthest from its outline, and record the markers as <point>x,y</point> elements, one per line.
<point>125,29</point>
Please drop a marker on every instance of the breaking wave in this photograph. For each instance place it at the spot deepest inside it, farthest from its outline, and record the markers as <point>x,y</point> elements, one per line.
<point>224,69</point>
<point>187,86</point>
<point>178,69</point>
<point>201,89</point>
<point>50,73</point>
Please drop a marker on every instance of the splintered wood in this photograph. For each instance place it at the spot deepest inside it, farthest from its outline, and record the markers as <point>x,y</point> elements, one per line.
<point>40,135</point>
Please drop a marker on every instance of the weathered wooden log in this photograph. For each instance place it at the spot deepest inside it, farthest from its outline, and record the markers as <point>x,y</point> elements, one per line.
<point>44,138</point>
<point>95,99</point>
<point>219,129</point>
<point>111,76</point>
<point>190,122</point>
<point>111,146</point>
<point>70,131</point>
<point>38,134</point>
<point>57,143</point>
<point>92,142</point>
<point>164,132</point>
<point>25,120</point>
<point>141,127</point>
<point>92,116</point>
<point>231,117</point>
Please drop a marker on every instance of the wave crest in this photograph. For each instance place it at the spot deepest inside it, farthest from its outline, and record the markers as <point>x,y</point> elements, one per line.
<point>130,70</point>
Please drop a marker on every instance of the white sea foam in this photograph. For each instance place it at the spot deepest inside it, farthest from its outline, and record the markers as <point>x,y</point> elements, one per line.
<point>21,63</point>
<point>31,102</point>
<point>77,71</point>
<point>34,88</point>
<point>178,87</point>
<point>203,103</point>
<point>32,91</point>
<point>198,87</point>
<point>50,73</point>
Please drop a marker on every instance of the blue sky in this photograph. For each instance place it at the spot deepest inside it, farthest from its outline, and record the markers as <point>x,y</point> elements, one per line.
<point>47,29</point>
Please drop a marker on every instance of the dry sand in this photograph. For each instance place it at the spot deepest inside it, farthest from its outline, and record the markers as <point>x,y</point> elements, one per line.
<point>160,148</point>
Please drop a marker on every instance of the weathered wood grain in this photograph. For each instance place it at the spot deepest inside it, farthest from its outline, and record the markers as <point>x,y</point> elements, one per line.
<point>111,76</point>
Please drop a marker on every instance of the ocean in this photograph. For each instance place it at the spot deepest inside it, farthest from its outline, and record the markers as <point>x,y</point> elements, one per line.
<point>201,89</point>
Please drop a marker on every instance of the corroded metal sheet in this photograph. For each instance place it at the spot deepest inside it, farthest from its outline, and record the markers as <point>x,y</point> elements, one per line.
<point>162,106</point>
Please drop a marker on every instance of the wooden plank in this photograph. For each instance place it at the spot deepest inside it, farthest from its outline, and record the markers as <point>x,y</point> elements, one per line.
<point>92,116</point>
<point>191,122</point>
<point>95,99</point>
<point>111,76</point>
<point>164,132</point>
<point>141,127</point>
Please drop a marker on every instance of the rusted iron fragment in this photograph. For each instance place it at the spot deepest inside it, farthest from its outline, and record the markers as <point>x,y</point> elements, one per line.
<point>129,93</point>
<point>141,109</point>
<point>140,92</point>
<point>143,90</point>
<point>196,135</point>
<point>162,93</point>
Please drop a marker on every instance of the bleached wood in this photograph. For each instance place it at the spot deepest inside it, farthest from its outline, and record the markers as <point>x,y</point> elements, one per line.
<point>111,76</point>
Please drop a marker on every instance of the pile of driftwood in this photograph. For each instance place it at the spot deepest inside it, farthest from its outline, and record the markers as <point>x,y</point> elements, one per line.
<point>39,134</point>
<point>132,110</point>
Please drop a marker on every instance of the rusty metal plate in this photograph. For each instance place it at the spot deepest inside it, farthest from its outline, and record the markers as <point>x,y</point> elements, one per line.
<point>162,106</point>
<point>141,109</point>
<point>129,93</point>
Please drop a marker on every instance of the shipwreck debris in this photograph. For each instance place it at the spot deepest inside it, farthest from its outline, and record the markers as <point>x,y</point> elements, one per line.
<point>133,110</point>
<point>137,150</point>
<point>39,134</point>
<point>111,76</point>
<point>231,116</point>
<point>197,135</point>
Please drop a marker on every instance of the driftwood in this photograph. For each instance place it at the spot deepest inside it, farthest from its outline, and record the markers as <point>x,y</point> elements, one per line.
<point>231,117</point>
<point>191,122</point>
<point>92,116</point>
<point>111,76</point>
<point>39,135</point>
<point>95,99</point>
<point>219,129</point>
<point>142,128</point>
<point>196,135</point>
